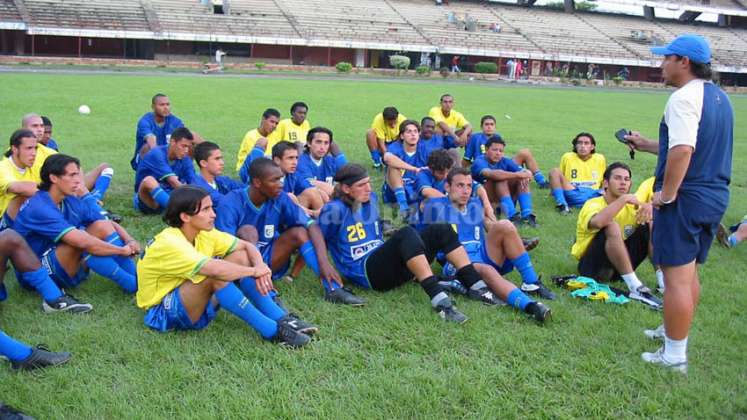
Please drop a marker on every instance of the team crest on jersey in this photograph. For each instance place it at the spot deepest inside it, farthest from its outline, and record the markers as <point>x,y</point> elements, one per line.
<point>269,231</point>
<point>361,250</point>
<point>482,149</point>
<point>629,229</point>
<point>595,174</point>
<point>477,233</point>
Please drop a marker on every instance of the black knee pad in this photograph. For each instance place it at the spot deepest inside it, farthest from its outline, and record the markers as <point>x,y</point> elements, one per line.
<point>439,237</point>
<point>409,242</point>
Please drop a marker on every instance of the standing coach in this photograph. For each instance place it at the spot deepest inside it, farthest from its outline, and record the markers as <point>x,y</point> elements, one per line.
<point>692,186</point>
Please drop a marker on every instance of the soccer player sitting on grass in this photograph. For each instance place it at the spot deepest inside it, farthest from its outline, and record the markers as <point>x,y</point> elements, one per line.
<point>612,234</point>
<point>68,236</point>
<point>162,170</point>
<point>47,139</point>
<point>154,128</point>
<point>404,159</point>
<point>320,161</point>
<point>209,159</point>
<point>266,216</point>
<point>580,175</point>
<point>350,222</point>
<point>300,190</point>
<point>433,141</point>
<point>505,181</point>
<point>295,128</point>
<point>732,236</point>
<point>476,148</point>
<point>494,248</point>
<point>258,142</point>
<point>450,122</point>
<point>190,268</point>
<point>24,357</point>
<point>384,130</point>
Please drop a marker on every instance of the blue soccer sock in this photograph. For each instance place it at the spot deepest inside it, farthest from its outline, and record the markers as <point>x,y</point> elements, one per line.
<point>12,349</point>
<point>341,160</point>
<point>126,263</point>
<point>108,267</point>
<point>518,299</point>
<point>399,194</point>
<point>539,178</point>
<point>231,298</point>
<point>161,196</point>
<point>733,241</point>
<point>507,206</point>
<point>559,196</point>
<point>525,202</point>
<point>376,156</point>
<point>39,279</point>
<point>102,183</point>
<point>264,303</point>
<point>93,203</point>
<point>525,267</point>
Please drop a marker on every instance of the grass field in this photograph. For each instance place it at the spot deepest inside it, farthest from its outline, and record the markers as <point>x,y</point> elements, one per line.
<point>393,358</point>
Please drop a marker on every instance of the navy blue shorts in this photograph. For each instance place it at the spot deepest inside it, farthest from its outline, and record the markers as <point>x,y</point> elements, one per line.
<point>57,272</point>
<point>478,254</point>
<point>580,195</point>
<point>266,252</point>
<point>683,232</point>
<point>171,314</point>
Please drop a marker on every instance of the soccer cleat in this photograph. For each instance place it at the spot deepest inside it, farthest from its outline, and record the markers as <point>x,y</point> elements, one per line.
<point>66,303</point>
<point>563,209</point>
<point>114,217</point>
<point>544,186</point>
<point>722,235</point>
<point>643,294</point>
<point>530,220</point>
<point>344,296</point>
<point>539,311</point>
<point>41,357</point>
<point>530,243</point>
<point>387,228</point>
<point>658,358</point>
<point>289,337</point>
<point>448,312</point>
<point>655,334</point>
<point>485,296</point>
<point>538,289</point>
<point>515,219</point>
<point>294,321</point>
<point>9,413</point>
<point>453,285</point>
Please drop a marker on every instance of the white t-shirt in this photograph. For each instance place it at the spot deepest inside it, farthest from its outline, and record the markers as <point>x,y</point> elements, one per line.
<point>682,113</point>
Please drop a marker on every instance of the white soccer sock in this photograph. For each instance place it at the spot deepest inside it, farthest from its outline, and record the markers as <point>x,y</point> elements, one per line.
<point>632,281</point>
<point>675,351</point>
<point>660,279</point>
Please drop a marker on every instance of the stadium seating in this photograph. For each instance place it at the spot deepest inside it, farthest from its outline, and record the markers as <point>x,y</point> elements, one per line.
<point>94,14</point>
<point>9,12</point>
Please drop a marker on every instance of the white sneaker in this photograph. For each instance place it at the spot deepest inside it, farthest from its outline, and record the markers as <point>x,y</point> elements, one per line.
<point>658,358</point>
<point>655,334</point>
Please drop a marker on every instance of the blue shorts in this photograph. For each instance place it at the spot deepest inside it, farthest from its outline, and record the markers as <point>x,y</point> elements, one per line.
<point>478,254</point>
<point>170,314</point>
<point>266,252</point>
<point>5,222</point>
<point>410,193</point>
<point>683,232</point>
<point>58,273</point>
<point>580,195</point>
<point>142,208</point>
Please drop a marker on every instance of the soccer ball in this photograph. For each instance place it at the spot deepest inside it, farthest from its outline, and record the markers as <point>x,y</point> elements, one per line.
<point>84,109</point>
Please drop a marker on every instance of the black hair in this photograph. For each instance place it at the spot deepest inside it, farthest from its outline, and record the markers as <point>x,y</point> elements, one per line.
<point>182,133</point>
<point>422,122</point>
<point>440,160</point>
<point>55,165</point>
<point>203,150</point>
<point>584,134</point>
<point>278,150</point>
<point>17,137</point>
<point>310,134</point>
<point>349,174</point>
<point>46,121</point>
<point>459,170</point>
<point>405,123</point>
<point>699,70</point>
<point>270,112</point>
<point>298,105</point>
<point>445,95</point>
<point>185,199</point>
<point>616,165</point>
<point>493,140</point>
<point>259,168</point>
<point>390,113</point>
<point>156,96</point>
<point>485,118</point>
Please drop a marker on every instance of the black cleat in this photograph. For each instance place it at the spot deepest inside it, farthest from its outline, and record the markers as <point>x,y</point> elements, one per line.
<point>292,320</point>
<point>289,337</point>
<point>9,413</point>
<point>452,285</point>
<point>114,217</point>
<point>485,296</point>
<point>515,219</point>
<point>530,220</point>
<point>41,357</point>
<point>530,243</point>
<point>539,311</point>
<point>448,312</point>
<point>563,209</point>
<point>538,289</point>
<point>344,296</point>
<point>66,303</point>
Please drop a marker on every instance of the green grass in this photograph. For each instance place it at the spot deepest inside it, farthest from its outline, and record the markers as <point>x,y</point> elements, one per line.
<point>393,358</point>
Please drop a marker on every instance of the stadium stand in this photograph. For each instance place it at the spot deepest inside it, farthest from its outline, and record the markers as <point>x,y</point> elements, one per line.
<point>9,12</point>
<point>96,14</point>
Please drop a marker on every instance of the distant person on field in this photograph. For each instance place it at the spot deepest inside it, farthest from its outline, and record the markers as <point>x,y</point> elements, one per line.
<point>579,177</point>
<point>455,64</point>
<point>384,130</point>
<point>219,54</point>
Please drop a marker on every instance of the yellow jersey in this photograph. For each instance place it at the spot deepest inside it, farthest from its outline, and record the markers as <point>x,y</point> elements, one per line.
<point>170,260</point>
<point>247,144</point>
<point>626,219</point>
<point>583,173</point>
<point>455,120</point>
<point>288,130</point>
<point>383,131</point>
<point>645,191</point>
<point>10,173</point>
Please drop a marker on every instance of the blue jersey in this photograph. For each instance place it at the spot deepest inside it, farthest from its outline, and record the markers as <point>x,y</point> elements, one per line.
<point>418,159</point>
<point>351,236</point>
<point>481,164</point>
<point>468,224</point>
<point>147,125</point>
<point>294,184</point>
<point>156,163</point>
<point>323,170</point>
<point>43,223</point>
<point>476,146</point>
<point>425,179</point>
<point>52,145</point>
<point>223,185</point>
<point>271,218</point>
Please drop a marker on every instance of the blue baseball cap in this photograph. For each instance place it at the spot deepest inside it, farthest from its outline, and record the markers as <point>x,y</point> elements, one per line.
<point>694,47</point>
